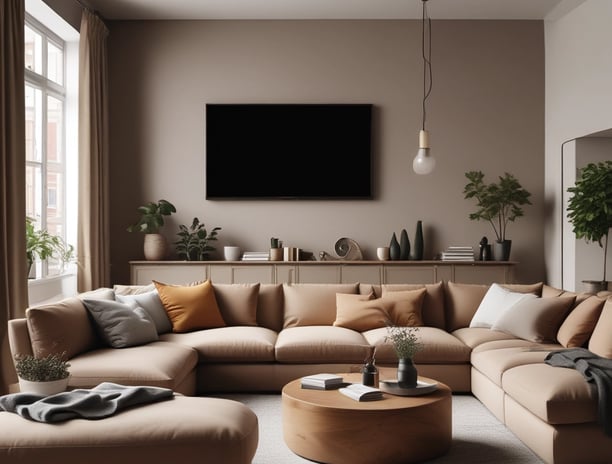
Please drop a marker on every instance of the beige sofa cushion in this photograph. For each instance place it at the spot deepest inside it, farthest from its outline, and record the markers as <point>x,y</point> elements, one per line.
<point>320,344</point>
<point>579,324</point>
<point>237,303</point>
<point>475,336</point>
<point>462,301</point>
<point>312,304</point>
<point>190,307</point>
<point>62,327</point>
<point>556,395</point>
<point>535,319</point>
<point>601,339</point>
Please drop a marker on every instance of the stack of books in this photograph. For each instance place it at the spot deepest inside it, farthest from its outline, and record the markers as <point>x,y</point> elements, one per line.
<point>255,256</point>
<point>360,392</point>
<point>458,253</point>
<point>322,381</point>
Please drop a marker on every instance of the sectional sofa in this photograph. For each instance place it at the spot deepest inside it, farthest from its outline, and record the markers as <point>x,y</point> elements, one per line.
<point>203,338</point>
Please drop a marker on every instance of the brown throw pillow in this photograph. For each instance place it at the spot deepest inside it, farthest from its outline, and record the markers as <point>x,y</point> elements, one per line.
<point>601,341</point>
<point>312,304</point>
<point>190,307</point>
<point>407,307</point>
<point>361,312</point>
<point>237,303</point>
<point>535,319</point>
<point>579,324</point>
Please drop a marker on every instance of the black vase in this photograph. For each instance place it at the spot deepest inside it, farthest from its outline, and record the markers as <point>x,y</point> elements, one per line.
<point>406,373</point>
<point>394,248</point>
<point>501,250</point>
<point>404,246</point>
<point>418,242</point>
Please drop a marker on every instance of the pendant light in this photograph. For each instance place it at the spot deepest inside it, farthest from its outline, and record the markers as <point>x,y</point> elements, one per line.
<point>424,162</point>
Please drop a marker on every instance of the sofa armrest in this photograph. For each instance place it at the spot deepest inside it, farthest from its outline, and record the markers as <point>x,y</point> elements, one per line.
<point>19,338</point>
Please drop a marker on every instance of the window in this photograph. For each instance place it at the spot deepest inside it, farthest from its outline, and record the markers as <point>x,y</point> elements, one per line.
<point>49,100</point>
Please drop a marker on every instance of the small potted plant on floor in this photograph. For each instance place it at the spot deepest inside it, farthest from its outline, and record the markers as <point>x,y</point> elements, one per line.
<point>46,375</point>
<point>498,203</point>
<point>590,211</point>
<point>406,343</point>
<point>151,220</point>
<point>194,241</point>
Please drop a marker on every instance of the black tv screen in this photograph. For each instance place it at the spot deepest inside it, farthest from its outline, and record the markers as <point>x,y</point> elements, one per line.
<point>289,151</point>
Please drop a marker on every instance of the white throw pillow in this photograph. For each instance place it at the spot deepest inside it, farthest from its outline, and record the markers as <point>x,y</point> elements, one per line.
<point>496,302</point>
<point>152,304</point>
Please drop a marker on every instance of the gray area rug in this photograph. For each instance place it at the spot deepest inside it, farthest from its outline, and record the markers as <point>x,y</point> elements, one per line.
<point>478,437</point>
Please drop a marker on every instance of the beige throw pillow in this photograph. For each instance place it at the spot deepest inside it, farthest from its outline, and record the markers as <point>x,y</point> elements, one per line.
<point>361,312</point>
<point>312,304</point>
<point>579,324</point>
<point>601,339</point>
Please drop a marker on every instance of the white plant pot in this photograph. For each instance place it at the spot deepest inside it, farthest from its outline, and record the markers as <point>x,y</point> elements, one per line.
<point>155,247</point>
<point>43,388</point>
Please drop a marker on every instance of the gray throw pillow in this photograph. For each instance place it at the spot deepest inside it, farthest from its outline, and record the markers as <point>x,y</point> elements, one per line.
<point>120,325</point>
<point>154,307</point>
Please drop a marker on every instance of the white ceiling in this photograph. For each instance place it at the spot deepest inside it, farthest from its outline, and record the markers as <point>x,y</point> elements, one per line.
<point>329,9</point>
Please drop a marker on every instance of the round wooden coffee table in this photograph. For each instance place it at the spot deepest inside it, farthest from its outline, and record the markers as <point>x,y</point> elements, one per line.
<point>328,427</point>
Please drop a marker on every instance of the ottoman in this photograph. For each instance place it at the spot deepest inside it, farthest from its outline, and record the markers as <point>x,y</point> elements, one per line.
<point>182,430</point>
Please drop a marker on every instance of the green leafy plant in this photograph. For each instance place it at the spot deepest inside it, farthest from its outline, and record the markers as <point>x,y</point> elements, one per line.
<point>590,206</point>
<point>43,245</point>
<point>193,243</point>
<point>498,203</point>
<point>46,369</point>
<point>152,217</point>
<point>405,340</point>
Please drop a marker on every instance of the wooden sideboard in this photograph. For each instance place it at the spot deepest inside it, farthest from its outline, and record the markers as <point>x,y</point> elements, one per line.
<point>374,272</point>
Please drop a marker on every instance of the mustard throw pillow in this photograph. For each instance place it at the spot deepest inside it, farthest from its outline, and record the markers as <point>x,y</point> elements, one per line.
<point>190,307</point>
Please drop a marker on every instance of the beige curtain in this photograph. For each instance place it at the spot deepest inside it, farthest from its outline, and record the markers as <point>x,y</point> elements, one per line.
<point>13,268</point>
<point>93,234</point>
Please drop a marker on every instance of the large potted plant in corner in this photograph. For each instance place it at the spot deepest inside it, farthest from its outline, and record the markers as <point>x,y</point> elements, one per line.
<point>498,203</point>
<point>151,220</point>
<point>193,243</point>
<point>590,211</point>
<point>45,376</point>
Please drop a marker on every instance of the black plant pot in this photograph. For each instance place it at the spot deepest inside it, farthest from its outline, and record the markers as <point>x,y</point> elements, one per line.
<point>501,250</point>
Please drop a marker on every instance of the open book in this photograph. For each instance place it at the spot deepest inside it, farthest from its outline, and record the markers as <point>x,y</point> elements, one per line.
<point>360,392</point>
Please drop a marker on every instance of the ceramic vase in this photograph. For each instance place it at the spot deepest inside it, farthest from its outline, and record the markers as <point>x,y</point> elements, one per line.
<point>155,247</point>
<point>406,373</point>
<point>404,246</point>
<point>394,248</point>
<point>418,242</point>
<point>43,388</point>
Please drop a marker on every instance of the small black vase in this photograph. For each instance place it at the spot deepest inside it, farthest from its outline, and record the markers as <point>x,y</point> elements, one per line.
<point>404,246</point>
<point>406,373</point>
<point>394,248</point>
<point>418,242</point>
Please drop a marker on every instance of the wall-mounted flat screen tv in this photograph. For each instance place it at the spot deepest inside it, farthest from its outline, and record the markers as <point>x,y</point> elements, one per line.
<point>289,151</point>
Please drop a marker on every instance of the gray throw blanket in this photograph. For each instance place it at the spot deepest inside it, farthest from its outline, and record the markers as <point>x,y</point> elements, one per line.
<point>595,369</point>
<point>96,403</point>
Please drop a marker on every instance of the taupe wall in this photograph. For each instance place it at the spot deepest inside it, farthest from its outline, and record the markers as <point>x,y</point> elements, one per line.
<point>486,111</point>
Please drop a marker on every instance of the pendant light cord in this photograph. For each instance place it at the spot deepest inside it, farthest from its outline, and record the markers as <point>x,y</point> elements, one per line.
<point>426,52</point>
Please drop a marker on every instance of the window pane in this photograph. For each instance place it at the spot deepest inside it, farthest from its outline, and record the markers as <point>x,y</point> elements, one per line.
<point>33,110</point>
<point>33,50</point>
<point>55,121</point>
<point>34,192</point>
<point>55,200</point>
<point>55,63</point>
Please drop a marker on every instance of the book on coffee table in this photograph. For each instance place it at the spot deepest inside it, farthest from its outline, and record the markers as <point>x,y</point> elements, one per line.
<point>360,392</point>
<point>322,381</point>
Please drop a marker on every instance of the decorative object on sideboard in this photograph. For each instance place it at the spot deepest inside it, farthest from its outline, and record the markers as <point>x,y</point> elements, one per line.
<point>590,212</point>
<point>485,250</point>
<point>347,249</point>
<point>418,248</point>
<point>276,249</point>
<point>43,245</point>
<point>232,253</point>
<point>406,344</point>
<point>498,203</point>
<point>424,162</point>
<point>404,246</point>
<point>46,375</point>
<point>382,253</point>
<point>193,243</point>
<point>394,248</point>
<point>150,222</point>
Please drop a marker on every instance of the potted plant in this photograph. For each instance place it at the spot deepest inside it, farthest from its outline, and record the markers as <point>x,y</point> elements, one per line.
<point>193,243</point>
<point>151,220</point>
<point>406,344</point>
<point>498,203</point>
<point>590,211</point>
<point>43,245</point>
<point>46,376</point>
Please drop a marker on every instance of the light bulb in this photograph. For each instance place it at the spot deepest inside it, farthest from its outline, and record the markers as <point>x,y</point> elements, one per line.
<point>424,162</point>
